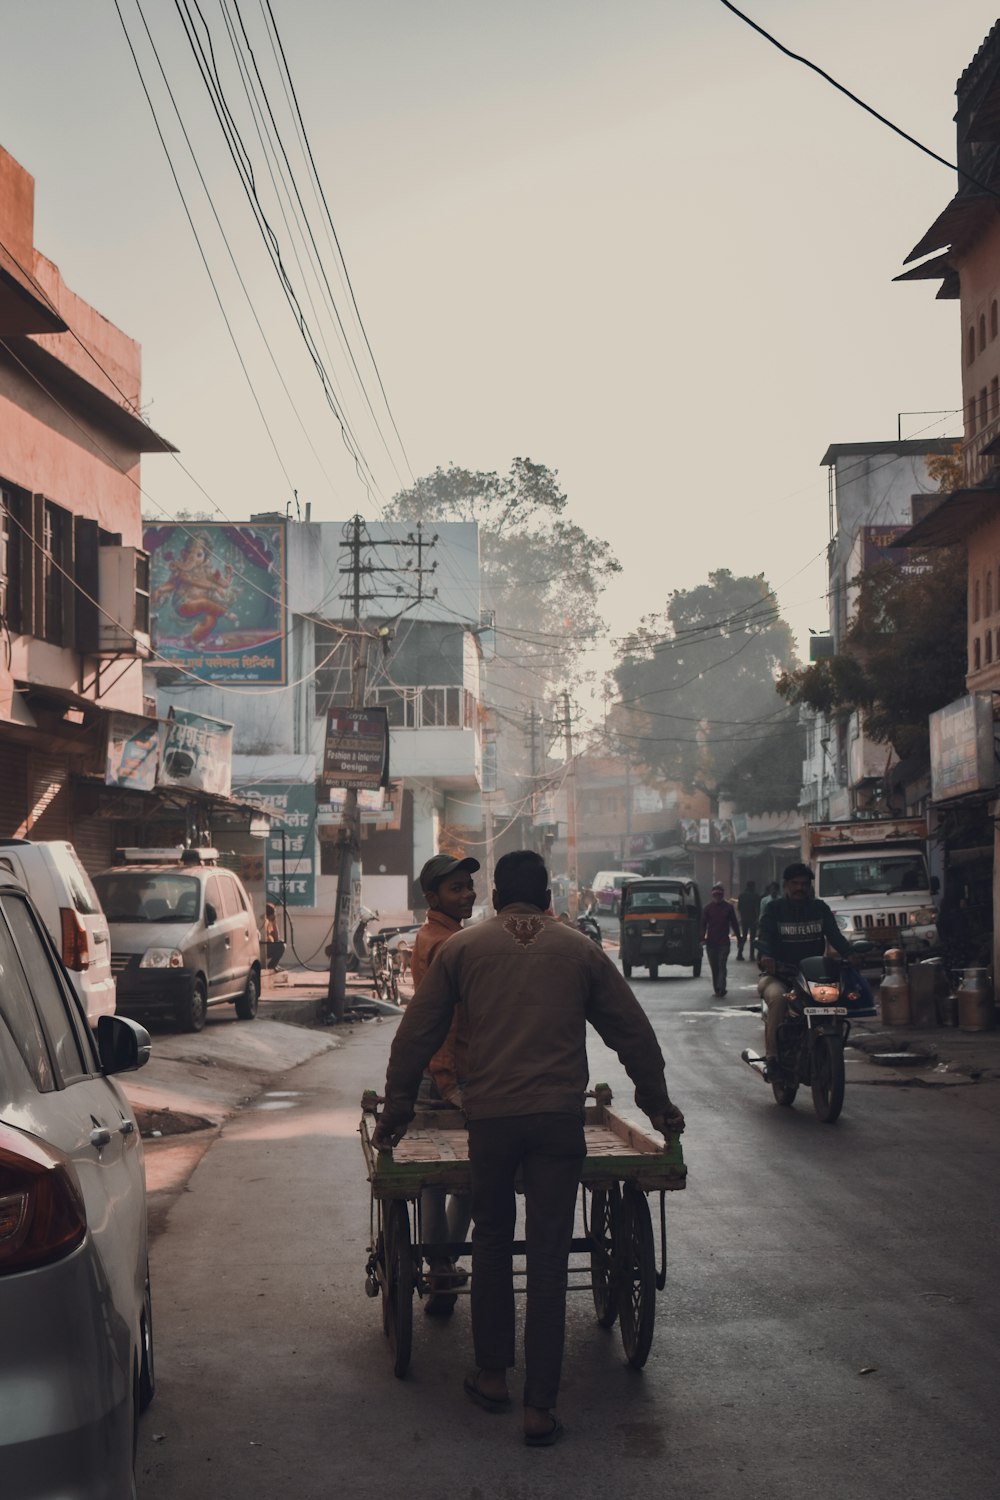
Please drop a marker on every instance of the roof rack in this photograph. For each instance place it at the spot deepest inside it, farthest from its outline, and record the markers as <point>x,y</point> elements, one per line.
<point>134,854</point>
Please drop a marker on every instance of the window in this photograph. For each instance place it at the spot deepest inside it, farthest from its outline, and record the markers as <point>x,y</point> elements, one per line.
<point>971,345</point>
<point>982,407</point>
<point>427,707</point>
<point>994,323</point>
<point>982,332</point>
<point>14,544</point>
<point>994,398</point>
<point>332,661</point>
<point>57,563</point>
<point>988,640</point>
<point>970,422</point>
<point>976,661</point>
<point>975,601</point>
<point>988,601</point>
<point>50,999</point>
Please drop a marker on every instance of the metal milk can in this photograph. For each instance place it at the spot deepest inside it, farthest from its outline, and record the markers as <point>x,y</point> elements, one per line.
<point>975,1001</point>
<point>894,991</point>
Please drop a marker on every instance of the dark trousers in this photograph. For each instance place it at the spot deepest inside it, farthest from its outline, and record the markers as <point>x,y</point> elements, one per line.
<point>274,952</point>
<point>549,1149</point>
<point>718,959</point>
<point>748,935</point>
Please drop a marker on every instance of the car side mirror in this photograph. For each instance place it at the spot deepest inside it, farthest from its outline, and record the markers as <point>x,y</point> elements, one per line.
<point>211,915</point>
<point>122,1045</point>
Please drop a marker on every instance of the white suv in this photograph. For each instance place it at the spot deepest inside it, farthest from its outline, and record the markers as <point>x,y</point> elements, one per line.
<point>183,935</point>
<point>51,872</point>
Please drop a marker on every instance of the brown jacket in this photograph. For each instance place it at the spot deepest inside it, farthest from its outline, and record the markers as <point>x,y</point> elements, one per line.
<point>524,987</point>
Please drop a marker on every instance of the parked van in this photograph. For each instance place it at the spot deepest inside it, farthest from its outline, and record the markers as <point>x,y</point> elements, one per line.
<point>65,898</point>
<point>607,888</point>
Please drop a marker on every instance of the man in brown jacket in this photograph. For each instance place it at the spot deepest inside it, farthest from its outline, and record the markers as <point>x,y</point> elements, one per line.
<point>524,986</point>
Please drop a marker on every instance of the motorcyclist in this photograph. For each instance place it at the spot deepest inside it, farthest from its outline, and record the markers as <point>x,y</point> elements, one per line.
<point>794,926</point>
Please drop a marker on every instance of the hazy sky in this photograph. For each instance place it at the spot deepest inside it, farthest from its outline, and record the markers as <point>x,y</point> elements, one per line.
<point>628,240</point>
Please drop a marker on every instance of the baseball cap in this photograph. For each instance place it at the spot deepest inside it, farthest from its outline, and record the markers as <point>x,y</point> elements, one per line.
<point>441,865</point>
<point>718,888</point>
<point>792,872</point>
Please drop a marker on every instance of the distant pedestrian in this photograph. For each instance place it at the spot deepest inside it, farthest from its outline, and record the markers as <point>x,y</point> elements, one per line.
<point>272,942</point>
<point>770,894</point>
<point>748,906</point>
<point>718,920</point>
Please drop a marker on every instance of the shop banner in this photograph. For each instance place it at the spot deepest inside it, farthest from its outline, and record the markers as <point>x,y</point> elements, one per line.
<point>962,748</point>
<point>133,752</point>
<point>218,599</point>
<point>356,752</point>
<point>196,752</point>
<point>290,860</point>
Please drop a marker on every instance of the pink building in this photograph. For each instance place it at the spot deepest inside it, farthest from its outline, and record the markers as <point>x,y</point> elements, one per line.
<point>73,581</point>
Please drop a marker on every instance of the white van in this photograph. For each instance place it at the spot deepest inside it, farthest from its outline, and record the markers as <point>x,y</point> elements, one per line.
<point>51,872</point>
<point>607,888</point>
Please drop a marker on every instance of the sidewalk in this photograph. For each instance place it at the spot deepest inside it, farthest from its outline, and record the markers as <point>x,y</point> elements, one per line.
<point>934,1055</point>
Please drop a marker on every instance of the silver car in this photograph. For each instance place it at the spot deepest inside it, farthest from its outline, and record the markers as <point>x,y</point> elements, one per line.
<point>183,936</point>
<point>76,1350</point>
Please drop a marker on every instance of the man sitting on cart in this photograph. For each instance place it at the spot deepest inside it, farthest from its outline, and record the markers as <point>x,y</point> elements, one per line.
<point>524,986</point>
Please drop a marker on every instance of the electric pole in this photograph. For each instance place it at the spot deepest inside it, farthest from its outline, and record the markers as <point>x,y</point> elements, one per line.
<point>572,859</point>
<point>349,834</point>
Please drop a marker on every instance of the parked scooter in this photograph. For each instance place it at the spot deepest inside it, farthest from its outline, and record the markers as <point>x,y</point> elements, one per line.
<point>825,993</point>
<point>588,924</point>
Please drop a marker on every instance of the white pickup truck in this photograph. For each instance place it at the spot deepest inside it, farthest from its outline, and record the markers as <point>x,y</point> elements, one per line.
<point>874,876</point>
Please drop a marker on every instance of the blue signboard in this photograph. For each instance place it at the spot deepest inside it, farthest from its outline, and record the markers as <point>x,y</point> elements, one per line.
<point>290,864</point>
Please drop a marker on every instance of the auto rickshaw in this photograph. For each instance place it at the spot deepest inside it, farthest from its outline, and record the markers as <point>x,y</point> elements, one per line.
<point>660,924</point>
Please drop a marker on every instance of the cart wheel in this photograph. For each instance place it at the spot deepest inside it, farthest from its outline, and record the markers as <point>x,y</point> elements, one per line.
<point>636,1277</point>
<point>398,1294</point>
<point>605,1222</point>
<point>393,985</point>
<point>381,985</point>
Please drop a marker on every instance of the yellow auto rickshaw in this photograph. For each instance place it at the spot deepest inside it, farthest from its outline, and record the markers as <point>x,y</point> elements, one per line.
<point>660,923</point>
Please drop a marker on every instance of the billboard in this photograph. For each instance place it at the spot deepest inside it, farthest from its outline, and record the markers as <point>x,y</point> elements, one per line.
<point>356,751</point>
<point>133,752</point>
<point>218,599</point>
<point>196,752</point>
<point>962,748</point>
<point>290,857</point>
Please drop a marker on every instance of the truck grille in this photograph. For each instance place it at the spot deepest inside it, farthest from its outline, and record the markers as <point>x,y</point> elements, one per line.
<point>881,919</point>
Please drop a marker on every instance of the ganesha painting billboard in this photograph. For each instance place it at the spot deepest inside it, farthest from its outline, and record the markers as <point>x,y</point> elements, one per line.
<point>217,599</point>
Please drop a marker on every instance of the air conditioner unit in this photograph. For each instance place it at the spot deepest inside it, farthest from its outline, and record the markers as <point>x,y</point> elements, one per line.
<point>123,594</point>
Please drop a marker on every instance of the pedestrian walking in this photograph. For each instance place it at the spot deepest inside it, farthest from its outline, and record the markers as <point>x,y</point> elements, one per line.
<point>718,919</point>
<point>748,906</point>
<point>525,987</point>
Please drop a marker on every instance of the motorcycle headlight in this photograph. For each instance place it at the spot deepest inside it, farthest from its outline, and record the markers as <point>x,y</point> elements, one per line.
<point>162,958</point>
<point>825,994</point>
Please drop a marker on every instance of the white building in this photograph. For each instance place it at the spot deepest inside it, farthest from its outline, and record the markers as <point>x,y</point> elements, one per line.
<point>871,490</point>
<point>273,650</point>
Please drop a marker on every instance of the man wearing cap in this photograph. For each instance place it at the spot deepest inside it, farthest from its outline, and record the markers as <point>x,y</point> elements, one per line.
<point>525,987</point>
<point>718,920</point>
<point>793,926</point>
<point>447,884</point>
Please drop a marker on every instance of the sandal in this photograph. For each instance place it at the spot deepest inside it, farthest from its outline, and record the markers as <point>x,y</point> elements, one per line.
<point>492,1404</point>
<point>547,1438</point>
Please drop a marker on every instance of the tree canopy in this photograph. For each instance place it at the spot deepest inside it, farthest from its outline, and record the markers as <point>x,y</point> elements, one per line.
<point>903,654</point>
<point>542,574</point>
<point>696,694</point>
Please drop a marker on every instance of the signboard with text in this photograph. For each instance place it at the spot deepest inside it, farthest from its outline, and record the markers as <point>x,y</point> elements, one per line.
<point>196,752</point>
<point>290,857</point>
<point>133,752</point>
<point>356,750</point>
<point>962,748</point>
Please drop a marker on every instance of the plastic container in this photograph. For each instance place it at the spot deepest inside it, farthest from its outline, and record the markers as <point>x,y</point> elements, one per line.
<point>975,1001</point>
<point>894,991</point>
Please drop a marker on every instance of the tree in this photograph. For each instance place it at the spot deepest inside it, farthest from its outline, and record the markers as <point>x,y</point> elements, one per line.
<point>697,701</point>
<point>903,654</point>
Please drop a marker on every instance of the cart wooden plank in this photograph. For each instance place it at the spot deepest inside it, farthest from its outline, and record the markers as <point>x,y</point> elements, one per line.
<point>435,1153</point>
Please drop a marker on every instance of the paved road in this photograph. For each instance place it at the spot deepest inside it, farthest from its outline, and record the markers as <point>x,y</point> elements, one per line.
<point>829,1327</point>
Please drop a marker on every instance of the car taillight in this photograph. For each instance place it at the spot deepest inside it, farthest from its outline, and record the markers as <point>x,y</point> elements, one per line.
<point>75,940</point>
<point>42,1217</point>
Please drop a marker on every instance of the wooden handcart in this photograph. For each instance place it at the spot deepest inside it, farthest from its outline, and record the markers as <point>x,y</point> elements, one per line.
<point>617,1248</point>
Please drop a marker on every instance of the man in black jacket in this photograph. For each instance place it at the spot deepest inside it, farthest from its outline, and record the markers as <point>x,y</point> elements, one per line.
<point>792,927</point>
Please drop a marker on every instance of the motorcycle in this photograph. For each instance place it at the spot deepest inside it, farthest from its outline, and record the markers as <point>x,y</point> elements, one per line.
<point>588,924</point>
<point>824,994</point>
